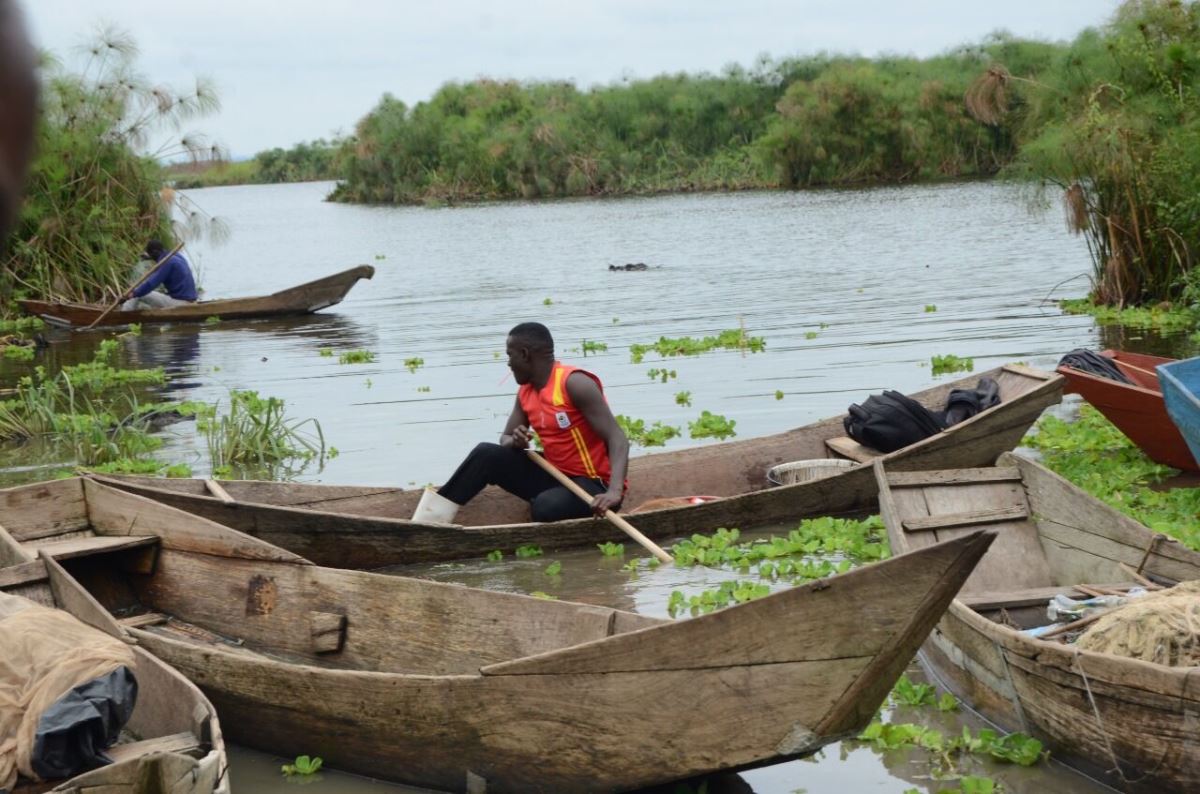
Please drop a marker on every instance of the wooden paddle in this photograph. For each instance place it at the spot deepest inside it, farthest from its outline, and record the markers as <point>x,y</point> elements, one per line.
<point>141,281</point>
<point>620,523</point>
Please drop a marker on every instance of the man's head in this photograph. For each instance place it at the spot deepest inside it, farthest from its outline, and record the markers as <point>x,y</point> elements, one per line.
<point>18,105</point>
<point>154,250</point>
<point>528,345</point>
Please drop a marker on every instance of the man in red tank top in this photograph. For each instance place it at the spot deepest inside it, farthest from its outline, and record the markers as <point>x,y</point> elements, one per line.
<point>565,407</point>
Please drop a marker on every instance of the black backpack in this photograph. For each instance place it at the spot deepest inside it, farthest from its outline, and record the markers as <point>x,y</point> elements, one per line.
<point>890,421</point>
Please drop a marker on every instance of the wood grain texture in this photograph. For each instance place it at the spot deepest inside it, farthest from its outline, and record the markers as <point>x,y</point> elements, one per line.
<point>366,528</point>
<point>404,694</point>
<point>1147,713</point>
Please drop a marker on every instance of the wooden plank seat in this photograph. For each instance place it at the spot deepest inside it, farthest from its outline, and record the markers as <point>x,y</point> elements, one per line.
<point>971,518</point>
<point>95,544</point>
<point>846,447</point>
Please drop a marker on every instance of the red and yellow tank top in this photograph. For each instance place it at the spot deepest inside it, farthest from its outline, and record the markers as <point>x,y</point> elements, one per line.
<point>568,441</point>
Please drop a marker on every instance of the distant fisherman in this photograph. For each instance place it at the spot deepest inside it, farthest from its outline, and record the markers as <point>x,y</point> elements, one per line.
<point>174,275</point>
<point>565,406</point>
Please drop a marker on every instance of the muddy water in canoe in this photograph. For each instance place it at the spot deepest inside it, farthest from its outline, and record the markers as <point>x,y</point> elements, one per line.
<point>853,291</point>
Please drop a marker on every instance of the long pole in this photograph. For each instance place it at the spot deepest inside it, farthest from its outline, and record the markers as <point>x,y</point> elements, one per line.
<point>619,522</point>
<point>141,281</point>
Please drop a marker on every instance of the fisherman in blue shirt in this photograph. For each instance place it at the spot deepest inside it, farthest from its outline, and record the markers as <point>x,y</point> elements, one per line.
<point>175,276</point>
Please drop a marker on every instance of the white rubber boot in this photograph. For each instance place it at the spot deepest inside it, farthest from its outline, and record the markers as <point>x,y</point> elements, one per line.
<point>435,509</point>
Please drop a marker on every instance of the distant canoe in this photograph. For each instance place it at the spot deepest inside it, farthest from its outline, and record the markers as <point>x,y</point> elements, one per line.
<point>347,526</point>
<point>455,688</point>
<point>1181,390</point>
<point>1137,410</point>
<point>303,299</point>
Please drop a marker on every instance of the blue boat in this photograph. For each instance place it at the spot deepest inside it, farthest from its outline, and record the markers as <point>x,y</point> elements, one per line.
<point>1180,381</point>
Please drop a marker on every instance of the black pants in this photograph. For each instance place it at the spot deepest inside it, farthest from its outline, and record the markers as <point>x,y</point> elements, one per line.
<point>512,470</point>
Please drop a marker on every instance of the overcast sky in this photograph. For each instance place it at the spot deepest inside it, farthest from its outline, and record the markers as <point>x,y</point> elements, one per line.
<point>296,70</point>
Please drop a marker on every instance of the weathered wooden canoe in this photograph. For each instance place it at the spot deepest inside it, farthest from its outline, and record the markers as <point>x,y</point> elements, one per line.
<point>1181,391</point>
<point>1118,719</point>
<point>451,687</point>
<point>368,527</point>
<point>175,742</point>
<point>303,299</point>
<point>1137,411</point>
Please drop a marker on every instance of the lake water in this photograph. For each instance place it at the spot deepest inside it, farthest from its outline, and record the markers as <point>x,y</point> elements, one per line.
<point>837,283</point>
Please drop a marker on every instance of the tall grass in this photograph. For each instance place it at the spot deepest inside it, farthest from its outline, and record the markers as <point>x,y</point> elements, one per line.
<point>256,435</point>
<point>1115,126</point>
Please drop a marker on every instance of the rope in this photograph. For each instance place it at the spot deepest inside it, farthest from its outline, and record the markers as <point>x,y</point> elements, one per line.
<point>1099,722</point>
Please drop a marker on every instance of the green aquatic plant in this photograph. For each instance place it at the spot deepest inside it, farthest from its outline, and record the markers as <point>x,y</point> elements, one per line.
<point>810,334</point>
<point>711,425</point>
<point>656,435</point>
<point>731,339</point>
<point>413,364</point>
<point>929,308</point>
<point>525,552</point>
<point>683,398</point>
<point>303,766</point>
<point>495,555</point>
<point>19,352</point>
<point>543,596</point>
<point>212,320</point>
<point>424,389</point>
<point>907,693</point>
<point>589,346</point>
<point>661,374</point>
<point>553,569</point>
<point>356,357</point>
<point>1097,457</point>
<point>779,394</point>
<point>255,432</point>
<point>609,549</point>
<point>942,365</point>
<point>547,301</point>
<point>325,352</point>
<point>1161,318</point>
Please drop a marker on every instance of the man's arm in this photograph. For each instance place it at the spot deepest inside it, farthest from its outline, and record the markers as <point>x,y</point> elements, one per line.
<point>517,434</point>
<point>590,401</point>
<point>157,278</point>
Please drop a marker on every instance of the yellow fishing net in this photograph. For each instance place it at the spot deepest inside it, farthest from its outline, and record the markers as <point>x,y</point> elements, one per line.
<point>1161,627</point>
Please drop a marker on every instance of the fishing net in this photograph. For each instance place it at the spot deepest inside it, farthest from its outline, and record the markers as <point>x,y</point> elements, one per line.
<point>1162,627</point>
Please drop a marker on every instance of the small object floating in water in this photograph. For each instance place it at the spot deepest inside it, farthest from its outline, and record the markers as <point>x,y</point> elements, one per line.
<point>630,267</point>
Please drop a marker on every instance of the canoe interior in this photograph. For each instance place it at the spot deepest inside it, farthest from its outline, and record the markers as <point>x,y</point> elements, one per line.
<point>301,299</point>
<point>172,742</point>
<point>1136,410</point>
<point>1052,538</point>
<point>441,680</point>
<point>727,469</point>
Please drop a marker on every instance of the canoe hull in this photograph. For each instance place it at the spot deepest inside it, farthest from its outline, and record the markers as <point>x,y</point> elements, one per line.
<point>1138,411</point>
<point>302,299</point>
<point>1099,713</point>
<point>457,688</point>
<point>555,723</point>
<point>358,527</point>
<point>1181,391</point>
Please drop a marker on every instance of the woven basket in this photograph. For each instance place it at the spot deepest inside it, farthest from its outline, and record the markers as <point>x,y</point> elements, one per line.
<point>805,470</point>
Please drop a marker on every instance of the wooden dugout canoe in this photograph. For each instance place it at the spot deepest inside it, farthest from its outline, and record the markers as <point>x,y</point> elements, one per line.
<point>175,742</point>
<point>368,527</point>
<point>302,299</point>
<point>451,687</point>
<point>1098,712</point>
<point>1137,411</point>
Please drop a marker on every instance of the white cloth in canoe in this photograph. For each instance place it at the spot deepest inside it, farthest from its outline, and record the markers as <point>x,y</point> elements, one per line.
<point>44,653</point>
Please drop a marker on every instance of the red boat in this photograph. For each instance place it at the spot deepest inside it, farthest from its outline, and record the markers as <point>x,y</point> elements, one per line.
<point>1137,411</point>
